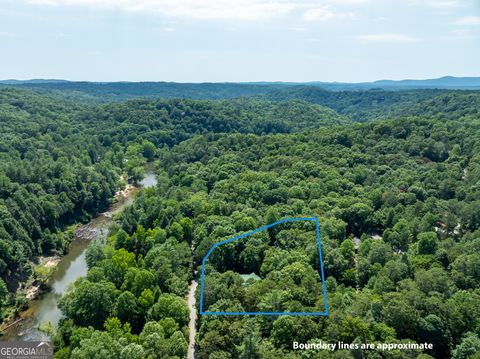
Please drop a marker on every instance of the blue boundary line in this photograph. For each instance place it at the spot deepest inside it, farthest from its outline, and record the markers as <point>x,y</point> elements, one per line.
<point>317,229</point>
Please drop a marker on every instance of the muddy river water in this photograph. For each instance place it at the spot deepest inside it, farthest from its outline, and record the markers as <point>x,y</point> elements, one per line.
<point>71,267</point>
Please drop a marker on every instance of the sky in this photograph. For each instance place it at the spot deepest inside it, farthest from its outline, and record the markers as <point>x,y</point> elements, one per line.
<point>239,40</point>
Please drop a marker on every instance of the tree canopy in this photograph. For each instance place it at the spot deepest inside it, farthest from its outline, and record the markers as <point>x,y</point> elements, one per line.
<point>397,198</point>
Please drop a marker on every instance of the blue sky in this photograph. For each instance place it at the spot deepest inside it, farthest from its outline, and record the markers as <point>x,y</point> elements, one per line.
<point>239,40</point>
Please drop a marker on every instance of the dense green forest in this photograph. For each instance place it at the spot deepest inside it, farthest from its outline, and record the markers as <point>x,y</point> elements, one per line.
<point>121,91</point>
<point>273,271</point>
<point>397,197</point>
<point>363,106</point>
<point>61,160</point>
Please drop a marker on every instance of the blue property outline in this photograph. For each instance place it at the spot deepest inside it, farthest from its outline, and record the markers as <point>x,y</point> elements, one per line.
<point>317,229</point>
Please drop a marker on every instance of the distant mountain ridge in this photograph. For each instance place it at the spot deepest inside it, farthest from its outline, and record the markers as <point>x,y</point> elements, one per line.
<point>120,91</point>
<point>32,81</point>
<point>446,82</point>
<point>347,99</point>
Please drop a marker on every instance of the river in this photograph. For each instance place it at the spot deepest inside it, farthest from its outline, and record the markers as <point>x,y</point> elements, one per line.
<point>71,267</point>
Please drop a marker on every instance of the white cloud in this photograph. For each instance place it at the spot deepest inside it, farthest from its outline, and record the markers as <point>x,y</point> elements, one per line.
<point>445,3</point>
<point>469,20</point>
<point>193,9</point>
<point>324,13</point>
<point>386,38</point>
<point>442,4</point>
<point>255,10</point>
<point>299,29</point>
<point>461,34</point>
<point>348,2</point>
<point>318,14</point>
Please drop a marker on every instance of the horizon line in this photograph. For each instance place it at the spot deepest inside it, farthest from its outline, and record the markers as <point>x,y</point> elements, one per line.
<point>53,80</point>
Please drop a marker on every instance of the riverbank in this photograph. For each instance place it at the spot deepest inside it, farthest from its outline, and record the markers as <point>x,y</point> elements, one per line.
<point>54,274</point>
<point>36,286</point>
<point>42,274</point>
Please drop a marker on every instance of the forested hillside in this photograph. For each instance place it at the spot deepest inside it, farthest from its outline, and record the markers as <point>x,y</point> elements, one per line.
<point>363,106</point>
<point>121,91</point>
<point>359,102</point>
<point>398,202</point>
<point>61,161</point>
<point>398,206</point>
<point>53,172</point>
